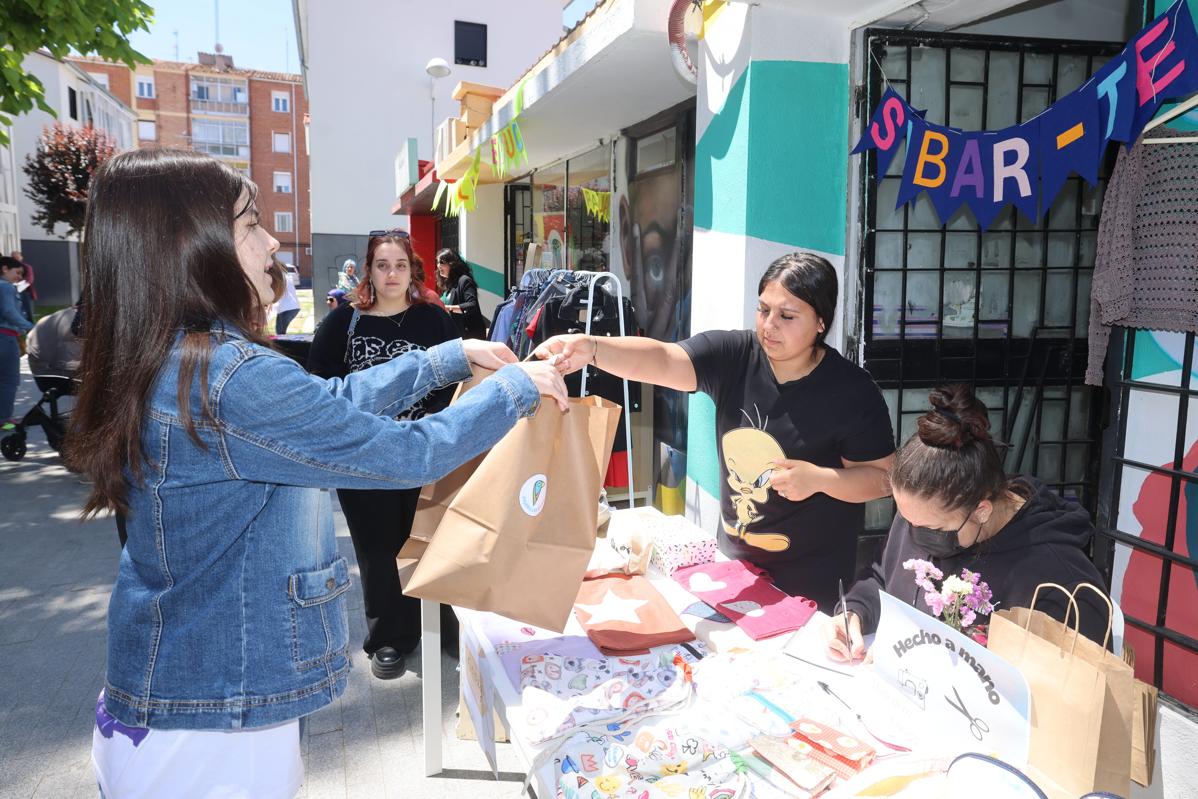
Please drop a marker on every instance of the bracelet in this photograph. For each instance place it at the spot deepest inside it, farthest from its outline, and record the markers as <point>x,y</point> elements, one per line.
<point>594,351</point>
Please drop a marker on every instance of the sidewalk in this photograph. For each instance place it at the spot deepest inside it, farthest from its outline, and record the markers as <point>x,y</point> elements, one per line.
<point>55,578</point>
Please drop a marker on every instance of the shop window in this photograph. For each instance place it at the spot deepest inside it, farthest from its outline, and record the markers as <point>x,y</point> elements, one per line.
<point>588,210</point>
<point>469,44</point>
<point>549,216</point>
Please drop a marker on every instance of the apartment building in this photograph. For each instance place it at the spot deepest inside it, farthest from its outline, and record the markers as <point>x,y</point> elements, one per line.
<point>253,120</point>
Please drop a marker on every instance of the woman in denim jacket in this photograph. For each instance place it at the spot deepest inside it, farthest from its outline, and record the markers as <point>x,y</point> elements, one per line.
<point>227,620</point>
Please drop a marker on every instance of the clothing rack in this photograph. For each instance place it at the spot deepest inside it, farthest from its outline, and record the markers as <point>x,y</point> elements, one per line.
<point>593,279</point>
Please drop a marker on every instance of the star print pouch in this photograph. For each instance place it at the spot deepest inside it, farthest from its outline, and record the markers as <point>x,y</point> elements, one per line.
<point>625,615</point>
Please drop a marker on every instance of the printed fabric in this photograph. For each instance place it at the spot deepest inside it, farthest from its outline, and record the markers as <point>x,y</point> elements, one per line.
<point>662,759</point>
<point>560,694</point>
<point>744,593</point>
<point>626,615</point>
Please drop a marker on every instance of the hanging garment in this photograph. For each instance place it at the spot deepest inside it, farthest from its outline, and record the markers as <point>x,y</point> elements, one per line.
<point>744,593</point>
<point>626,615</point>
<point>1146,270</point>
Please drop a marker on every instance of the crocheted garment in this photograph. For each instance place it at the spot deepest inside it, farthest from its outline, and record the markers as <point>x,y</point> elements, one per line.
<point>1146,271</point>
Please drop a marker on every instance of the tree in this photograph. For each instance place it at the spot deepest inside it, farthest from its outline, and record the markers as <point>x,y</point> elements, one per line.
<point>60,173</point>
<point>84,26</point>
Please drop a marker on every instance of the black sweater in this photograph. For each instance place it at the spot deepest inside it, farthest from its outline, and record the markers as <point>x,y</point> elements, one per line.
<point>1045,541</point>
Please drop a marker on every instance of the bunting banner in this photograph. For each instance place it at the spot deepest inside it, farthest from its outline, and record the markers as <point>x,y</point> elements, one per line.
<point>1026,165</point>
<point>598,204</point>
<point>460,194</point>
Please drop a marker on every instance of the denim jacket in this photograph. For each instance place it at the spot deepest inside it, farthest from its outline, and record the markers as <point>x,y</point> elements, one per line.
<point>11,317</point>
<point>228,610</point>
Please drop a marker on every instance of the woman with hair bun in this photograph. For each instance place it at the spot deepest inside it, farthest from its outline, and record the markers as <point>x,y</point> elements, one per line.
<point>958,509</point>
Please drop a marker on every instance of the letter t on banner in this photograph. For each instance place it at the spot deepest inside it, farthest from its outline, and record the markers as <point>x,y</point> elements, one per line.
<point>1164,60</point>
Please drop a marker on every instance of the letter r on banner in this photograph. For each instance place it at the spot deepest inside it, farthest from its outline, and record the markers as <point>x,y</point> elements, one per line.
<point>1016,170</point>
<point>937,160</point>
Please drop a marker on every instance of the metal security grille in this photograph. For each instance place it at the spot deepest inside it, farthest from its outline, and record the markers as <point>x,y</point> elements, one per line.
<point>1151,469</point>
<point>1006,310</point>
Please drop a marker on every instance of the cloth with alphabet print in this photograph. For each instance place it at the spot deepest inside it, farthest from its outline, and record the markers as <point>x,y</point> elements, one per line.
<point>832,415</point>
<point>378,339</point>
<point>744,593</point>
<point>559,694</point>
<point>626,615</point>
<point>675,758</point>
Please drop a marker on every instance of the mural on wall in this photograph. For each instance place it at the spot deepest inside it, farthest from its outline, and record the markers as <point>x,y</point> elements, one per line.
<point>1144,511</point>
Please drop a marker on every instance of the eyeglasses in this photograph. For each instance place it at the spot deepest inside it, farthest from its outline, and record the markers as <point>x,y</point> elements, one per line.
<point>396,233</point>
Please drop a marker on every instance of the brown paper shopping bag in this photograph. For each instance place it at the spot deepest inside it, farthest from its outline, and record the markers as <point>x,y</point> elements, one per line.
<point>435,498</point>
<point>1081,703</point>
<point>516,539</point>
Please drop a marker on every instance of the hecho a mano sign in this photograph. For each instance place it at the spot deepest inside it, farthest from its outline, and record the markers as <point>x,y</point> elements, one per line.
<point>963,698</point>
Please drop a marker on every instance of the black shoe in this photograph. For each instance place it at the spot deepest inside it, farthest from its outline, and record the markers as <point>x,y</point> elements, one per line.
<point>386,663</point>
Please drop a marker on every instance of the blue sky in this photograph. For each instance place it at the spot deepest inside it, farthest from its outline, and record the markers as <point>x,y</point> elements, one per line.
<point>259,34</point>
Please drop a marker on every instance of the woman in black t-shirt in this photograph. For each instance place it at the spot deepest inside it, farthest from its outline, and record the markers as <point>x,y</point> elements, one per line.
<point>803,435</point>
<point>389,316</point>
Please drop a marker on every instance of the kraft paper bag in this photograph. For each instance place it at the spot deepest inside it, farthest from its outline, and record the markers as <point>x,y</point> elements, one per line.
<point>517,537</point>
<point>1081,700</point>
<point>435,498</point>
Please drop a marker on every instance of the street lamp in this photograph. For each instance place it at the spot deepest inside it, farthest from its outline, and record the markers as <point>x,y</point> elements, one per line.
<point>436,68</point>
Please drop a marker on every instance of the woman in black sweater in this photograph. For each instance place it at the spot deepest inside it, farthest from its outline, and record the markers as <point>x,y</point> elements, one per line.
<point>959,510</point>
<point>460,294</point>
<point>388,316</point>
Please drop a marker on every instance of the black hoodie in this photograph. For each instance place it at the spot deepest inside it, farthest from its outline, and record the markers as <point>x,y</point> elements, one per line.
<point>1045,541</point>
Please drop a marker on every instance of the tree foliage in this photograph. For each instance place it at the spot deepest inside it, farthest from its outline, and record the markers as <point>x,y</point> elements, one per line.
<point>60,173</point>
<point>101,27</point>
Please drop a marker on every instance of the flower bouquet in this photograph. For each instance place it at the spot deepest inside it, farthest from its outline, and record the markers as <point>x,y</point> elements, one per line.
<point>958,601</point>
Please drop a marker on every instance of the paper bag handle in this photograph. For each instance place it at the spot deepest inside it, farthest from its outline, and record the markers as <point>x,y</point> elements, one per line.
<point>1073,602</point>
<point>1110,610</point>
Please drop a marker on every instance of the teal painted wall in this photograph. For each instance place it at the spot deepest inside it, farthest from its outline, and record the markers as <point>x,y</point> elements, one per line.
<point>773,163</point>
<point>702,458</point>
<point>488,279</point>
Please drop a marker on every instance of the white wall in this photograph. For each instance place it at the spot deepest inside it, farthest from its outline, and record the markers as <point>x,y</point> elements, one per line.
<point>482,234</point>
<point>1078,20</point>
<point>368,92</point>
<point>109,115</point>
<point>9,202</point>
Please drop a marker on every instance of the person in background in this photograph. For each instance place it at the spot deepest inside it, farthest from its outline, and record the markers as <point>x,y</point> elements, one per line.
<point>388,317</point>
<point>803,435</point>
<point>288,306</point>
<point>347,279</point>
<point>958,509</point>
<point>460,293</point>
<point>28,293</point>
<point>419,278</point>
<point>336,298</point>
<point>217,448</point>
<point>13,324</point>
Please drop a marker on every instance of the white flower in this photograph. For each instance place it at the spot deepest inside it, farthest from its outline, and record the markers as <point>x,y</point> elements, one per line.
<point>955,585</point>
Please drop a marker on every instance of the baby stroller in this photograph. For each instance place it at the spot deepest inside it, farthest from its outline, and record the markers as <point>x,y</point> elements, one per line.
<point>45,414</point>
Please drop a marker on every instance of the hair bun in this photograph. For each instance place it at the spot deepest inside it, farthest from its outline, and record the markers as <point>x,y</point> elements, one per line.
<point>957,418</point>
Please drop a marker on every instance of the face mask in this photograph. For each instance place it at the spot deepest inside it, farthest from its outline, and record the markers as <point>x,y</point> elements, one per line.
<point>938,543</point>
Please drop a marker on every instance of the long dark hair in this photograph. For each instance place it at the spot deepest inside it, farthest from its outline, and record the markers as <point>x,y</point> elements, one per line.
<point>159,258</point>
<point>952,458</point>
<point>810,278</point>
<point>457,266</point>
<point>364,298</point>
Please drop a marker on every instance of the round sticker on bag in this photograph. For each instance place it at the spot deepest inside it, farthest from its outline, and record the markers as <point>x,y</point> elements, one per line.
<point>532,494</point>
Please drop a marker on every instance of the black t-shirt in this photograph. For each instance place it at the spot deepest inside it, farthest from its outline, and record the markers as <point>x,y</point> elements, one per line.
<point>378,339</point>
<point>835,412</point>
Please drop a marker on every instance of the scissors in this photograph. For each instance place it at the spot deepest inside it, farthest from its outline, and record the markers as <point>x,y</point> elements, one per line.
<point>976,725</point>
